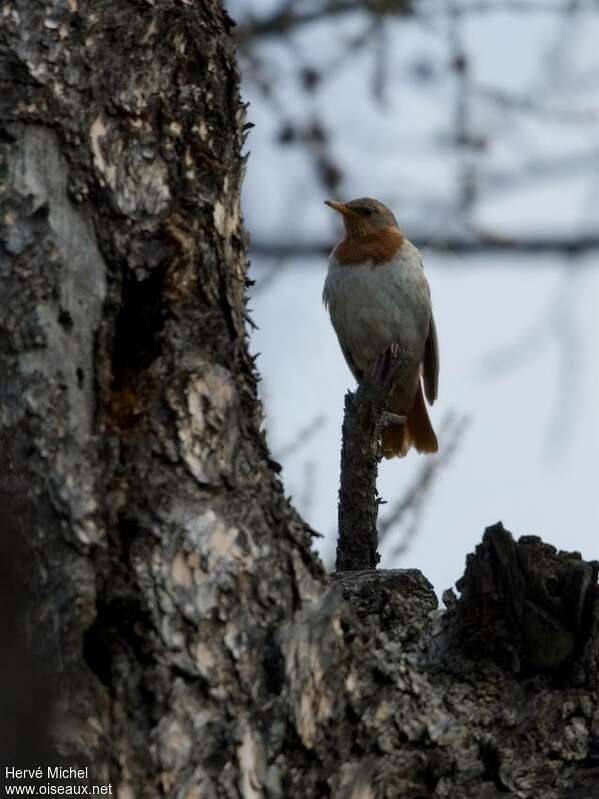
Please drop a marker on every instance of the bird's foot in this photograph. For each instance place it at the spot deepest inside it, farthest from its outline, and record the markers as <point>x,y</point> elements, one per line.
<point>386,363</point>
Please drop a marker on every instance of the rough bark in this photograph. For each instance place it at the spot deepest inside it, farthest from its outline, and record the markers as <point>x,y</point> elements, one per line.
<point>453,704</point>
<point>360,455</point>
<point>164,552</point>
<point>183,624</point>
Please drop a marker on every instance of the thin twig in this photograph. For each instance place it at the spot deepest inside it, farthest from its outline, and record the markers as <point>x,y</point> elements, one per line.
<point>302,437</point>
<point>408,510</point>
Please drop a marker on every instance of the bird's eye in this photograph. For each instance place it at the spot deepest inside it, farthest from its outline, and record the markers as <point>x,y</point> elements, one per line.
<point>364,211</point>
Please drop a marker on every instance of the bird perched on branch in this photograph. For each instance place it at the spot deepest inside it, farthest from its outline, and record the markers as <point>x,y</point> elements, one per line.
<point>377,295</point>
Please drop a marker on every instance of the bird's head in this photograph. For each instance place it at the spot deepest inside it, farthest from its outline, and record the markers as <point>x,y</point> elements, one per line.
<point>364,216</point>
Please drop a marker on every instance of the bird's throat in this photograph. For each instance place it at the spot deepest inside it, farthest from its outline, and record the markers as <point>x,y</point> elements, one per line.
<point>379,247</point>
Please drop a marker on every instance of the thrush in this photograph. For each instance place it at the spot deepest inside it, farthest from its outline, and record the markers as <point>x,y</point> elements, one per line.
<point>377,295</point>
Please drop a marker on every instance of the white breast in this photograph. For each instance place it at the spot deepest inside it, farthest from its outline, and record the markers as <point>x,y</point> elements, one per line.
<point>373,306</point>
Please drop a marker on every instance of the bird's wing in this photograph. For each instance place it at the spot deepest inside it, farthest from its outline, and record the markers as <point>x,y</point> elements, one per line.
<point>349,360</point>
<point>342,329</point>
<point>430,364</point>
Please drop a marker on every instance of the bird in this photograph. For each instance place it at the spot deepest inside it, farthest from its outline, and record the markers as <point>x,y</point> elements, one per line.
<point>377,295</point>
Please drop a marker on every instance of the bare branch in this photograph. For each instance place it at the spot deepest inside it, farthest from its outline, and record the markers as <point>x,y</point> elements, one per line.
<point>530,105</point>
<point>360,455</point>
<point>285,20</point>
<point>291,16</point>
<point>514,6</point>
<point>458,245</point>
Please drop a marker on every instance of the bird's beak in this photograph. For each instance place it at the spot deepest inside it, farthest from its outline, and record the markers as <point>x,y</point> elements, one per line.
<point>341,207</point>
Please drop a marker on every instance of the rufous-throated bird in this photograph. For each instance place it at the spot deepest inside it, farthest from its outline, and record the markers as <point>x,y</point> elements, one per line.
<point>377,295</point>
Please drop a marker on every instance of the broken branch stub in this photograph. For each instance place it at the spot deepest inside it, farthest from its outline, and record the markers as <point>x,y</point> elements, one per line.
<point>523,604</point>
<point>360,455</point>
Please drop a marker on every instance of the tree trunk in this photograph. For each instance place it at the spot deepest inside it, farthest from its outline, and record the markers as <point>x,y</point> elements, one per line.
<point>174,610</point>
<point>164,551</point>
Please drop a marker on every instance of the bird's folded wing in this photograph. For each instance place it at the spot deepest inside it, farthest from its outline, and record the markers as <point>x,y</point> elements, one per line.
<point>357,373</point>
<point>430,365</point>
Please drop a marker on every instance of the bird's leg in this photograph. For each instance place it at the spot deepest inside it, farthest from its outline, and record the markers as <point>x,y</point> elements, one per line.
<point>380,369</point>
<point>382,374</point>
<point>394,350</point>
<point>389,419</point>
<point>383,371</point>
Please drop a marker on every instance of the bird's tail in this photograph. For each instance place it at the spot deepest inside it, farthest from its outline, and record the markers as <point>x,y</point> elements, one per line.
<point>417,432</point>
